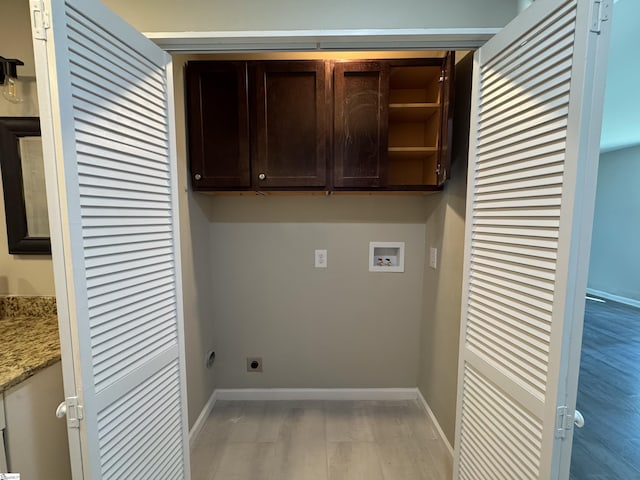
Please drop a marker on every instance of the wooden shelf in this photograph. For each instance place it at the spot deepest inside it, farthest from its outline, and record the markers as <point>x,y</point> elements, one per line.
<point>414,76</point>
<point>412,112</point>
<point>416,168</point>
<point>411,151</point>
<point>416,105</point>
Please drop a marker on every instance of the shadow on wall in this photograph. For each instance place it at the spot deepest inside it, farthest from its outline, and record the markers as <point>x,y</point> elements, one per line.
<point>366,208</point>
<point>443,286</point>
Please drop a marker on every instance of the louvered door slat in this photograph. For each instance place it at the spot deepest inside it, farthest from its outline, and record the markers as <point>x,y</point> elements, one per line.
<point>534,341</point>
<point>500,61</point>
<point>528,111</point>
<point>558,72</point>
<point>129,318</point>
<point>523,187</point>
<point>98,75</point>
<point>116,162</point>
<point>525,127</point>
<point>129,312</point>
<point>547,85</point>
<point>541,56</point>
<point>128,164</point>
<point>108,49</point>
<point>524,136</point>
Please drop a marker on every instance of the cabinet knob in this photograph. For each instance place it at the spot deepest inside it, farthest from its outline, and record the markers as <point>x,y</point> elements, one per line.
<point>262,176</point>
<point>197,176</point>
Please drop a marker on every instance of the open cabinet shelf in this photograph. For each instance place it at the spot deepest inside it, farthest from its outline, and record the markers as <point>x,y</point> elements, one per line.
<point>413,167</point>
<point>416,115</point>
<point>412,112</point>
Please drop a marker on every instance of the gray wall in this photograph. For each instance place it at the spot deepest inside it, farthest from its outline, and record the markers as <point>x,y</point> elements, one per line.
<point>443,287</point>
<point>615,256</point>
<point>20,274</point>
<point>196,274</point>
<point>336,327</point>
<point>208,15</point>
<point>200,15</point>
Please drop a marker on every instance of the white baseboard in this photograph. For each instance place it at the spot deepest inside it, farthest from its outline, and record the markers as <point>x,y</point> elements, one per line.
<point>202,418</point>
<point>444,438</point>
<point>614,298</point>
<point>317,394</point>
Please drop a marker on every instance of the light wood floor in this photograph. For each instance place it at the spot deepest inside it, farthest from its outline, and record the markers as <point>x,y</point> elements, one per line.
<point>316,440</point>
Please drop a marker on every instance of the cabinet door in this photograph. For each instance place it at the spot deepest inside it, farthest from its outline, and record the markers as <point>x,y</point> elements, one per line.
<point>290,124</point>
<point>218,122</point>
<point>446,129</point>
<point>360,124</point>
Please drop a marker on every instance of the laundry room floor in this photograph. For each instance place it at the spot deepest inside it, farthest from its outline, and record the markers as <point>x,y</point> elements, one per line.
<point>319,440</point>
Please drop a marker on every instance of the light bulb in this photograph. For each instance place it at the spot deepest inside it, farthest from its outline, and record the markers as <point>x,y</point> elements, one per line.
<point>11,86</point>
<point>11,89</point>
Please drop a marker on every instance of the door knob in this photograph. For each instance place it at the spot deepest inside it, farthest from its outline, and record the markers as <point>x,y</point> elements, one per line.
<point>197,176</point>
<point>61,411</point>
<point>262,176</point>
<point>578,419</point>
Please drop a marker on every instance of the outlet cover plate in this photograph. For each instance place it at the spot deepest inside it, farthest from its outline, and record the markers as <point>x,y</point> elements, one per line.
<point>321,259</point>
<point>433,257</point>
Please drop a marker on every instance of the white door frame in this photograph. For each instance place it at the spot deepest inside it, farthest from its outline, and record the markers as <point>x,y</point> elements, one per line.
<point>331,40</point>
<point>319,40</point>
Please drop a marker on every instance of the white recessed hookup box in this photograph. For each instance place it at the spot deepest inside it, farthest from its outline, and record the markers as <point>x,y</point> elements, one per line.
<point>386,257</point>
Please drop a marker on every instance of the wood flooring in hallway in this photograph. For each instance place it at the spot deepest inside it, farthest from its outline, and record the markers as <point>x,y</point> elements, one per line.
<point>319,440</point>
<point>608,447</point>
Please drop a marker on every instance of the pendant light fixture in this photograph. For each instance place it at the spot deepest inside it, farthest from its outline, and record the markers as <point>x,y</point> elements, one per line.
<point>9,84</point>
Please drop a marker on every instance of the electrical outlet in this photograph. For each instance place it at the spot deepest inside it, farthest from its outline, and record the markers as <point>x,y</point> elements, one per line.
<point>254,364</point>
<point>433,257</point>
<point>321,259</point>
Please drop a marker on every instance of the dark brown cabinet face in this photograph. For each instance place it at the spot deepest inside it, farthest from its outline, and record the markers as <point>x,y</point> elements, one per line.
<point>218,124</point>
<point>320,125</point>
<point>360,124</point>
<point>290,124</point>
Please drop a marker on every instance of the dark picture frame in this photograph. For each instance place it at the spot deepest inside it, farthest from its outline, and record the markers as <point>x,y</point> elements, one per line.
<point>11,130</point>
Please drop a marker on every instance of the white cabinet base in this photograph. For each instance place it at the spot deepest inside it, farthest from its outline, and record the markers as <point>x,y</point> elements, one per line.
<point>3,454</point>
<point>36,440</point>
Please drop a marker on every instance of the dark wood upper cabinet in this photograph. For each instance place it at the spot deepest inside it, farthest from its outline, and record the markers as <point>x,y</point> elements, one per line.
<point>360,124</point>
<point>320,125</point>
<point>289,124</point>
<point>218,124</point>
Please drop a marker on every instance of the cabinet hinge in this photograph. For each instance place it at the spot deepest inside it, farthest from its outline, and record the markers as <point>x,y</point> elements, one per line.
<point>39,19</point>
<point>601,12</point>
<point>441,79</point>
<point>75,412</point>
<point>564,421</point>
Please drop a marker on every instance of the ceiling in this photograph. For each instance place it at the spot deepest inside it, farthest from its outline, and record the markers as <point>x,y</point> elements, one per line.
<point>621,123</point>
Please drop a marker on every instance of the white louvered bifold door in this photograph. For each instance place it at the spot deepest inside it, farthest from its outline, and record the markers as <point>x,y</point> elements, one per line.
<point>532,168</point>
<point>106,103</point>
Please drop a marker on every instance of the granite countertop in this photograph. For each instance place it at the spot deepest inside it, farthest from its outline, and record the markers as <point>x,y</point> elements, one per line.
<point>29,339</point>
